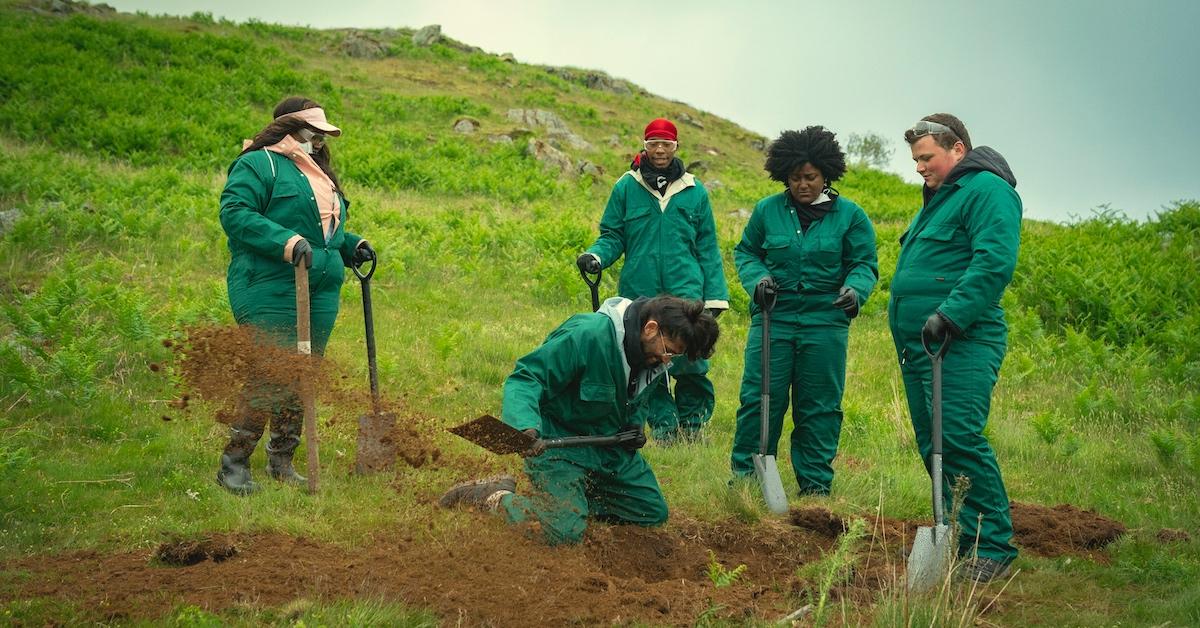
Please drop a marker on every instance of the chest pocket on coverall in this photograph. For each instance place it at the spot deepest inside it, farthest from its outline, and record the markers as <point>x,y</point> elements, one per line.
<point>598,400</point>
<point>282,203</point>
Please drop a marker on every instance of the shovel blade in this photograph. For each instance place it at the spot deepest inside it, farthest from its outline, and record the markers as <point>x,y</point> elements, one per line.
<point>772,487</point>
<point>929,561</point>
<point>494,435</point>
<point>377,446</point>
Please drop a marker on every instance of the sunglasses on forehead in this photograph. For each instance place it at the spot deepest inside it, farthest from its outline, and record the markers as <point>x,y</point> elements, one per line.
<point>928,127</point>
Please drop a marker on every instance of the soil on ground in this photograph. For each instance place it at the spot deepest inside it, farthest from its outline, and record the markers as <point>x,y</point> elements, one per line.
<point>495,575</point>
<point>498,576</point>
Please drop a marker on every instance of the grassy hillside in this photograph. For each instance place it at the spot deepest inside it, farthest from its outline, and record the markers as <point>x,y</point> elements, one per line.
<point>118,132</point>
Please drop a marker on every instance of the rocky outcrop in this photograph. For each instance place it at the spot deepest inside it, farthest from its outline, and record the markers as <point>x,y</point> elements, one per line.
<point>466,125</point>
<point>552,158</point>
<point>428,36</point>
<point>560,134</point>
<point>361,45</point>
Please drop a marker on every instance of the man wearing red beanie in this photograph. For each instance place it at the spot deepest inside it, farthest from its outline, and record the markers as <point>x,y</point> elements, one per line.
<point>659,217</point>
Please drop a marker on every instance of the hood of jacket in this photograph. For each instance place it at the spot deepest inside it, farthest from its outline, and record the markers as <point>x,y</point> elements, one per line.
<point>983,159</point>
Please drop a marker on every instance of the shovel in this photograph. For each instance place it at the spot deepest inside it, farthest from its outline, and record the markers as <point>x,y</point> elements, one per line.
<point>304,347</point>
<point>376,445</point>
<point>764,464</point>
<point>930,557</point>
<point>594,285</point>
<point>499,437</point>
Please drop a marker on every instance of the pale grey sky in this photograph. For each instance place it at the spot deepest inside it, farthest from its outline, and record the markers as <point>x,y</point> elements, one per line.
<point>1091,101</point>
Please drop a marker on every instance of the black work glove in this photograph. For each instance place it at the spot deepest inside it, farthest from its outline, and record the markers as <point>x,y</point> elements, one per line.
<point>939,328</point>
<point>639,441</point>
<point>588,263</point>
<point>363,253</point>
<point>716,313</point>
<point>536,448</point>
<point>302,252</point>
<point>765,291</point>
<point>847,301</point>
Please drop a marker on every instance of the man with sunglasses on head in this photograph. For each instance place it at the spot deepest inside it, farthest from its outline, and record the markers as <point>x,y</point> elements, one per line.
<point>591,377</point>
<point>955,261</point>
<point>658,216</point>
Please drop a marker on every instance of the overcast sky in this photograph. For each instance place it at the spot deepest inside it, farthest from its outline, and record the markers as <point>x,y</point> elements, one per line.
<point>1092,101</point>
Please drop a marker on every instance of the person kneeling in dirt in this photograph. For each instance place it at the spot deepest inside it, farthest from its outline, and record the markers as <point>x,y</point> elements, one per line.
<point>591,377</point>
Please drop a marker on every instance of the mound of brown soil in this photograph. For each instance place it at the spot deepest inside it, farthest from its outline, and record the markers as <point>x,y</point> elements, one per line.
<point>491,576</point>
<point>190,552</point>
<point>1042,530</point>
<point>1062,529</point>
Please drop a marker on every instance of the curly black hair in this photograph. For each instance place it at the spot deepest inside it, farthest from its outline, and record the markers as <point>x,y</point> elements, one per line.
<point>814,145</point>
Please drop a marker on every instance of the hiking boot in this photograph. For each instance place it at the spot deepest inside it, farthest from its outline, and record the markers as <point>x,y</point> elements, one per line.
<point>483,493</point>
<point>982,570</point>
<point>285,437</point>
<point>234,474</point>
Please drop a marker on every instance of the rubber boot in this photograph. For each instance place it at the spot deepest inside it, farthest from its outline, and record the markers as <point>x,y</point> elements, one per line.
<point>285,437</point>
<point>484,494</point>
<point>234,473</point>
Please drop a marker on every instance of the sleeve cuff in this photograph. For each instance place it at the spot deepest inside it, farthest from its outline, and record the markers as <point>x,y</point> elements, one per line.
<point>287,247</point>
<point>716,304</point>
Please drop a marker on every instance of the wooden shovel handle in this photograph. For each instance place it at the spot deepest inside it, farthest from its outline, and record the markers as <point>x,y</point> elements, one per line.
<point>304,347</point>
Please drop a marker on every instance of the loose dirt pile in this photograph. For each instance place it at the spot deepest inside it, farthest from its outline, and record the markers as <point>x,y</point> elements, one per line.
<point>1041,530</point>
<point>231,367</point>
<point>493,576</point>
<point>179,552</point>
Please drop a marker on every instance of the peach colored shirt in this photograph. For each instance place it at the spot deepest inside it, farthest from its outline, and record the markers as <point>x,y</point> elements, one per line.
<point>328,204</point>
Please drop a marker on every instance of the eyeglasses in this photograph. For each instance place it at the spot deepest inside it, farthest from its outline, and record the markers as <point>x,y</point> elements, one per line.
<point>666,355</point>
<point>667,144</point>
<point>311,136</point>
<point>927,127</point>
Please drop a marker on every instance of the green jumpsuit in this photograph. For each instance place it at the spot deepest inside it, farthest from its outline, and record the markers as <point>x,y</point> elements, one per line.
<point>578,383</point>
<point>265,202</point>
<point>956,258</point>
<point>670,247</point>
<point>808,334</point>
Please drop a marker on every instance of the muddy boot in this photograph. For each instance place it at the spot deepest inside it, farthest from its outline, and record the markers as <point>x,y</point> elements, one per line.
<point>484,494</point>
<point>285,437</point>
<point>234,473</point>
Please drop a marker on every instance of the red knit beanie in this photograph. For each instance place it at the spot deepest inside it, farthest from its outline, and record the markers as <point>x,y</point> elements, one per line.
<point>662,129</point>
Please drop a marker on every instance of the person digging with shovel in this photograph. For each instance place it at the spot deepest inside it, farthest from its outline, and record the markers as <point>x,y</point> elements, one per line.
<point>282,207</point>
<point>659,217</point>
<point>591,377</point>
<point>955,261</point>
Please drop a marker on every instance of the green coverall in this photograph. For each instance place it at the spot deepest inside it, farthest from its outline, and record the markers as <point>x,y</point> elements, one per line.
<point>670,247</point>
<point>956,258</point>
<point>265,202</point>
<point>577,383</point>
<point>808,334</point>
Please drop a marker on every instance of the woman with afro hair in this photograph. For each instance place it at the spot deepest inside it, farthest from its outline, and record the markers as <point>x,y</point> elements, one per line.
<point>814,250</point>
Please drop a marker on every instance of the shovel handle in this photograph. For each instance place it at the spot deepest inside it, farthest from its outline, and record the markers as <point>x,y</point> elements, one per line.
<point>304,347</point>
<point>589,441</point>
<point>363,276</point>
<point>593,285</point>
<point>935,424</point>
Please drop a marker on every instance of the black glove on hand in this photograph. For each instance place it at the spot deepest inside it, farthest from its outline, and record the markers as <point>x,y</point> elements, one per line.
<point>302,252</point>
<point>716,313</point>
<point>938,328</point>
<point>847,301</point>
<point>637,443</point>
<point>536,448</point>
<point>588,263</point>
<point>765,291</point>
<point>363,253</point>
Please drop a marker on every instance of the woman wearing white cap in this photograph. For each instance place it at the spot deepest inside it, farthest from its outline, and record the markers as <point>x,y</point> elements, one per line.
<point>282,206</point>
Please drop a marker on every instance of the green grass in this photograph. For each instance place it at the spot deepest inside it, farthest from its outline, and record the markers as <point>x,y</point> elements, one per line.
<point>119,131</point>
